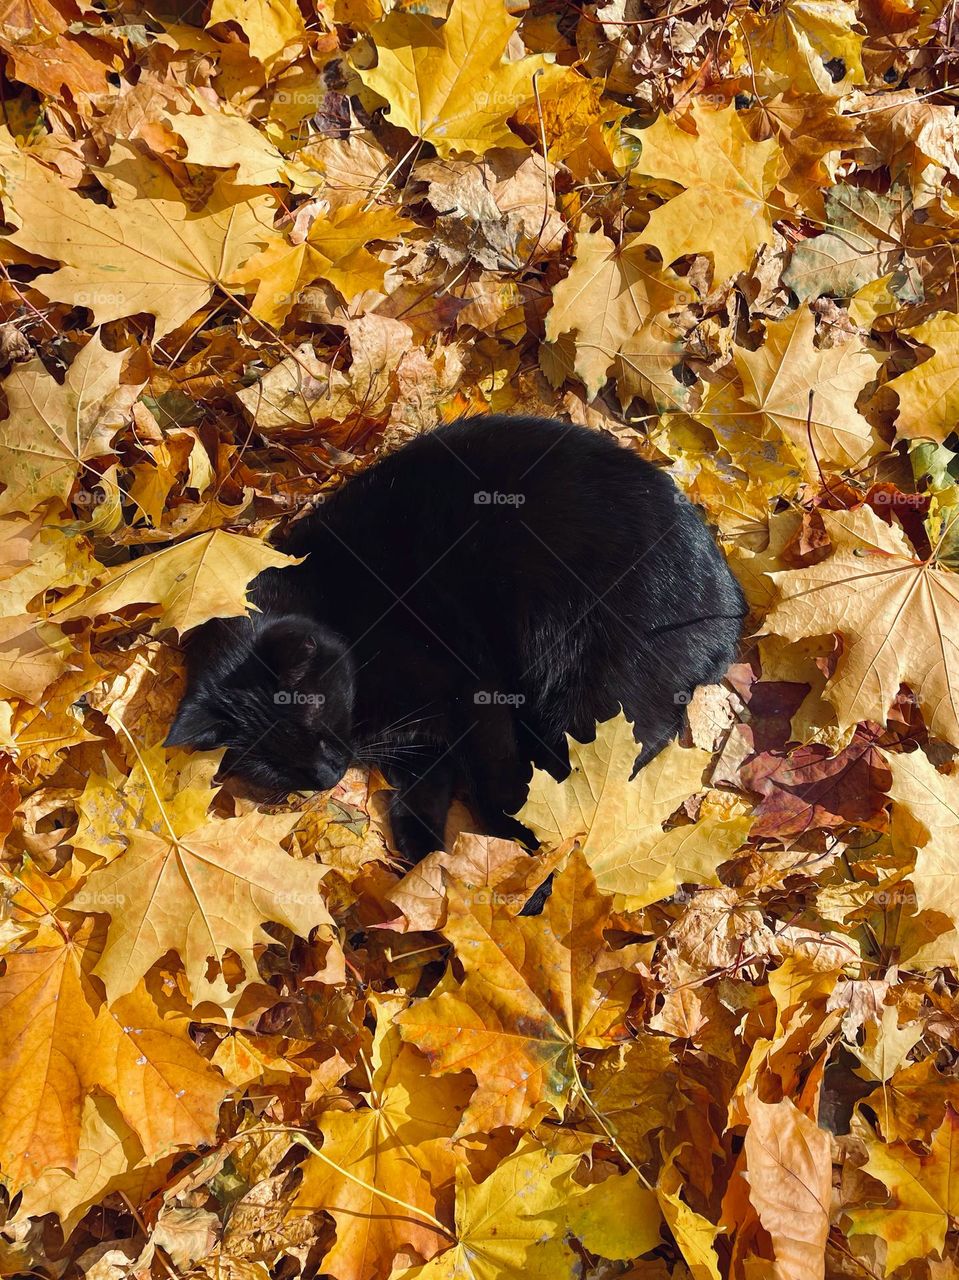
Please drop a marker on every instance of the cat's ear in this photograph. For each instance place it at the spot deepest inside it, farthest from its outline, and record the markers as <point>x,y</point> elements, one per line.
<point>195,725</point>
<point>287,647</point>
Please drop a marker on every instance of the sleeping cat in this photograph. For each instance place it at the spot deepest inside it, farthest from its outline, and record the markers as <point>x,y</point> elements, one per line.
<point>464,604</point>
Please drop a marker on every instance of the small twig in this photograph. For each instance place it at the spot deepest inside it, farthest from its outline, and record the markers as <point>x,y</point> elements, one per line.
<point>375,195</point>
<point>546,190</point>
<point>143,1227</point>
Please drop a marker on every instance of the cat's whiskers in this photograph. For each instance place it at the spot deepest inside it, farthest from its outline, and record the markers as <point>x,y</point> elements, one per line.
<point>372,751</point>
<point>385,742</point>
<point>397,753</point>
<point>405,722</point>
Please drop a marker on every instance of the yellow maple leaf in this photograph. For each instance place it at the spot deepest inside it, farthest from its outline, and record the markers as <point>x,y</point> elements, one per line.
<point>617,1218</point>
<point>273,28</point>
<point>729,461</point>
<point>31,657</point>
<point>620,821</point>
<point>725,208</point>
<point>614,303</point>
<point>635,1087</point>
<point>447,82</point>
<point>502,866</point>
<point>399,1144</point>
<point>201,894</point>
<point>178,457</point>
<point>923,1195</point>
<point>898,616</point>
<point>357,13</point>
<point>886,1045</point>
<point>43,51</point>
<point>513,1222</point>
<point>929,393</point>
<point>36,556</point>
<point>569,112</point>
<point>194,580</point>
<point>53,430</point>
<point>694,1234</point>
<point>925,819</point>
<point>109,1159</point>
<point>779,376</point>
<point>911,1103</point>
<point>223,141</point>
<point>334,250</point>
<point>150,254</point>
<point>165,784</point>
<point>788,49</point>
<point>530,998</point>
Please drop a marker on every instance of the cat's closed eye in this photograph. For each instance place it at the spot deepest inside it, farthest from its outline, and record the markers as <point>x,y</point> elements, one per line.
<point>275,778</point>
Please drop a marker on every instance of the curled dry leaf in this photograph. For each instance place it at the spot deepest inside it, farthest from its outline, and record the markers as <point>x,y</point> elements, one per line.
<point>923,1195</point>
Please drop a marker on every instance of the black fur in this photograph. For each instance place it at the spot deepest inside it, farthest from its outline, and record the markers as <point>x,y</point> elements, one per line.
<point>464,604</point>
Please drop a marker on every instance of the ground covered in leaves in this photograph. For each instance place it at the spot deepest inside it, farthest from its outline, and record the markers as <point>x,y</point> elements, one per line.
<point>251,247</point>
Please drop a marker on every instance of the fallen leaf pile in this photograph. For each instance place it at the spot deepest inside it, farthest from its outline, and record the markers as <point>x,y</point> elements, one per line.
<point>253,246</point>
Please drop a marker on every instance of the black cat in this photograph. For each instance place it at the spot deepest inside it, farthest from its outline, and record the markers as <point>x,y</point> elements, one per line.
<point>464,604</point>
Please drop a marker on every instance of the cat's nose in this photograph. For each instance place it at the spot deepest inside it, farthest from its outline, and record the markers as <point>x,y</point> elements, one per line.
<point>327,776</point>
<point>328,772</point>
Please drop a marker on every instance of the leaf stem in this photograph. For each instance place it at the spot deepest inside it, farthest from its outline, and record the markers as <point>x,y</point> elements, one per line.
<point>150,783</point>
<point>598,1116</point>
<point>367,1186</point>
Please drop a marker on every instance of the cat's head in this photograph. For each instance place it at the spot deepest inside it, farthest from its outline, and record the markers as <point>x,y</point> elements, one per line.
<point>275,690</point>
